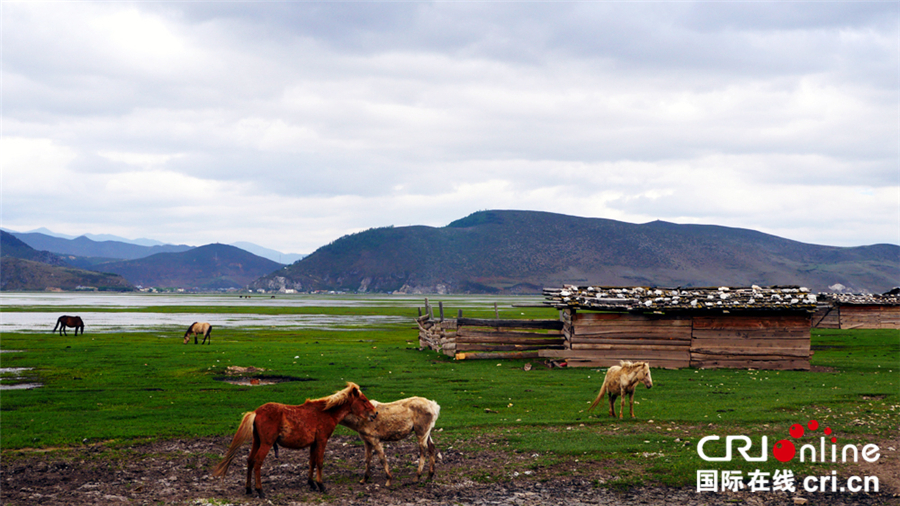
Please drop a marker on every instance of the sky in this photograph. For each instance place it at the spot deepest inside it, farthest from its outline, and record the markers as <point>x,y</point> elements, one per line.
<point>291,124</point>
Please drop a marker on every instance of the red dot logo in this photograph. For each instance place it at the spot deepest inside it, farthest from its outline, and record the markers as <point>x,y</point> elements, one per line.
<point>813,425</point>
<point>796,431</point>
<point>784,450</point>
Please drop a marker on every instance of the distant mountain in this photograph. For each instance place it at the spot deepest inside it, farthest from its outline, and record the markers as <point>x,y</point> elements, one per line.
<point>10,246</point>
<point>523,251</point>
<point>85,247</point>
<point>24,268</point>
<point>210,267</point>
<point>110,237</point>
<point>271,254</point>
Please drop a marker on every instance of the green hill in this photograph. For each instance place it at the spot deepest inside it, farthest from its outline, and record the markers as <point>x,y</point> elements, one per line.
<point>523,251</point>
<point>210,267</point>
<point>23,268</point>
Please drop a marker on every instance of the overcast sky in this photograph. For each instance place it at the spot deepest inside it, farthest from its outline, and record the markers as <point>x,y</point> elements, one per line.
<point>290,124</point>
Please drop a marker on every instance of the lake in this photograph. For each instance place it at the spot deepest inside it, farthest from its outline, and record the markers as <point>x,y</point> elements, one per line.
<point>42,310</point>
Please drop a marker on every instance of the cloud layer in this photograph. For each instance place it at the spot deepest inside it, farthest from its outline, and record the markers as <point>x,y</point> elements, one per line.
<point>290,124</point>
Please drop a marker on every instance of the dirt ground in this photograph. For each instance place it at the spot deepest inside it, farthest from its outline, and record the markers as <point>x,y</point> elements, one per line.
<point>177,472</point>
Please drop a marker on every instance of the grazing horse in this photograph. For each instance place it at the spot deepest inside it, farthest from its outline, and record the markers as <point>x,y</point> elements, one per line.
<point>621,380</point>
<point>196,328</point>
<point>397,420</point>
<point>69,321</point>
<point>307,425</point>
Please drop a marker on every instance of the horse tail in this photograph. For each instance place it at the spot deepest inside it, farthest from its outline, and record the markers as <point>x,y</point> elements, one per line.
<point>599,396</point>
<point>244,432</point>
<point>209,331</point>
<point>432,448</point>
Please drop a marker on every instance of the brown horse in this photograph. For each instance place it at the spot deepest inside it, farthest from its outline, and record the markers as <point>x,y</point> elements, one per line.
<point>621,380</point>
<point>196,328</point>
<point>69,321</point>
<point>307,425</point>
<point>397,420</point>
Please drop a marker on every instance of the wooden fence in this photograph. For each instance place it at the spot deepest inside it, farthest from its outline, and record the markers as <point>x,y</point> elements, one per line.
<point>470,338</point>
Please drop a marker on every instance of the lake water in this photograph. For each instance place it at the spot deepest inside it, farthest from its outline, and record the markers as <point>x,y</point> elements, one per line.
<point>96,320</point>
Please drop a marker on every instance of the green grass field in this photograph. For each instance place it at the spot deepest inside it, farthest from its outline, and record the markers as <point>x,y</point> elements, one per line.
<point>123,388</point>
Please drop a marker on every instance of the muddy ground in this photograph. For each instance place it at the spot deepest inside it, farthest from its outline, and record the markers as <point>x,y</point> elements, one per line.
<point>178,472</point>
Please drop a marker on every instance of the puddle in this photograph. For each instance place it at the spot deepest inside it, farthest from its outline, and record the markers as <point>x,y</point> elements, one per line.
<point>259,380</point>
<point>16,373</point>
<point>21,386</point>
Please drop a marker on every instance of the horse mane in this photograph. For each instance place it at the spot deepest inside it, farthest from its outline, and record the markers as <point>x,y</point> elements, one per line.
<point>338,398</point>
<point>630,366</point>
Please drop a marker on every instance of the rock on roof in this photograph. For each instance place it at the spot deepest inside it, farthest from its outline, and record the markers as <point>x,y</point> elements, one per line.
<point>649,299</point>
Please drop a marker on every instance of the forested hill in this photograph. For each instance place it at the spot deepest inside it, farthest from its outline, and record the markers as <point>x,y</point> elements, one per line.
<point>210,267</point>
<point>24,268</point>
<point>523,251</point>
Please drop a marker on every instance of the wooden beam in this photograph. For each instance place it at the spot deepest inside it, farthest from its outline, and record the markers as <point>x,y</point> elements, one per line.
<point>522,324</point>
<point>492,355</point>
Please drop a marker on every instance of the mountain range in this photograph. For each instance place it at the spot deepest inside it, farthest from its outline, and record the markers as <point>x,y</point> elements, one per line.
<point>91,249</point>
<point>501,252</point>
<point>523,251</point>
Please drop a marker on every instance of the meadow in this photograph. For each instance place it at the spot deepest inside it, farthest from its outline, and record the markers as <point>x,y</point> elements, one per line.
<point>125,388</point>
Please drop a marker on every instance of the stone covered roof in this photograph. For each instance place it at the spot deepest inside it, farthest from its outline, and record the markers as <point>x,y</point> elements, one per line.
<point>846,299</point>
<point>650,299</point>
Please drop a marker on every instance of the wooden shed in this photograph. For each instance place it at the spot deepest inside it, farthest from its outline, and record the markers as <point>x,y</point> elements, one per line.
<point>849,311</point>
<point>754,327</point>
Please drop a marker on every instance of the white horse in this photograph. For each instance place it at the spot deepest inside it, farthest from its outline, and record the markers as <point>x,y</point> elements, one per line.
<point>196,328</point>
<point>397,420</point>
<point>621,380</point>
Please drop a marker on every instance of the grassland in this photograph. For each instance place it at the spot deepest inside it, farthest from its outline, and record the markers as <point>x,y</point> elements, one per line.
<point>121,388</point>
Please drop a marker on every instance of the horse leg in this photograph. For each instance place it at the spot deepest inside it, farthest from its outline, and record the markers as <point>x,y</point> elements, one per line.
<point>387,470</point>
<point>368,472</point>
<point>622,405</point>
<point>316,458</point>
<point>631,402</point>
<point>432,450</point>
<point>423,452</point>
<point>612,404</point>
<point>257,467</point>
<point>251,463</point>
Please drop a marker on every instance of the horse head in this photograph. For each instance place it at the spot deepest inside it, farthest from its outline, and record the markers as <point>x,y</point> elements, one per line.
<point>647,380</point>
<point>361,406</point>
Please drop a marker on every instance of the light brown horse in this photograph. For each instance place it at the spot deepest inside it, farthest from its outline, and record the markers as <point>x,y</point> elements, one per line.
<point>397,420</point>
<point>69,321</point>
<point>307,425</point>
<point>621,380</point>
<point>196,328</point>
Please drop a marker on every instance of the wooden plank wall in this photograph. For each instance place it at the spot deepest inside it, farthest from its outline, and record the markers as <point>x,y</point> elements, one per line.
<point>827,316</point>
<point>603,339</point>
<point>869,317</point>
<point>760,341</point>
<point>751,341</point>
